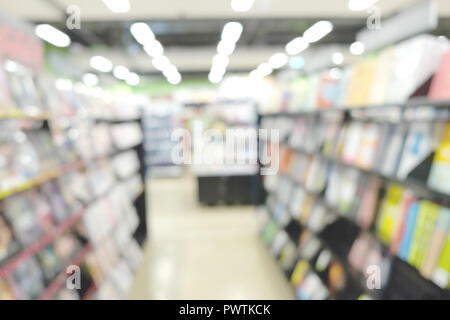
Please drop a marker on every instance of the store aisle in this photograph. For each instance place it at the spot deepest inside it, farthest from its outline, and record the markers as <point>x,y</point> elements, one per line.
<point>199,252</point>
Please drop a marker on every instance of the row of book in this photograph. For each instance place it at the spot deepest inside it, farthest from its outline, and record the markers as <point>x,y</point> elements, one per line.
<point>393,150</point>
<point>392,75</point>
<point>315,191</point>
<point>23,91</point>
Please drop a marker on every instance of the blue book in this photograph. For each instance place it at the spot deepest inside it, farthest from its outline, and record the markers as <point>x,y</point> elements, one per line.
<point>408,234</point>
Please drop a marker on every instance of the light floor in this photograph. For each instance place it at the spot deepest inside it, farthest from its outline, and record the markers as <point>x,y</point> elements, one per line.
<point>198,252</point>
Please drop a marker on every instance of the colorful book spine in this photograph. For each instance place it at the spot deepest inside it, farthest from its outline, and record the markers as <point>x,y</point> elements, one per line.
<point>437,243</point>
<point>399,228</point>
<point>441,275</point>
<point>427,214</point>
<point>410,225</point>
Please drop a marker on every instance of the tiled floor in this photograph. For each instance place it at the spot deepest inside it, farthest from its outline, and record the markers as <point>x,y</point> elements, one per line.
<point>200,252</point>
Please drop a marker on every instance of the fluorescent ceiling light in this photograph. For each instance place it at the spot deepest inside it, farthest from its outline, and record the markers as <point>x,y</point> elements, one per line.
<point>360,5</point>
<point>133,79</point>
<point>357,48</point>
<point>154,48</point>
<point>264,69</point>
<point>278,60</point>
<point>63,84</point>
<point>160,62</point>
<point>170,71</point>
<point>242,5</point>
<point>90,79</point>
<point>215,77</point>
<point>317,31</point>
<point>220,61</point>
<point>296,46</point>
<point>118,6</point>
<point>174,79</point>
<point>232,31</point>
<point>226,48</point>
<point>142,33</point>
<point>52,35</point>
<point>254,74</point>
<point>121,72</point>
<point>101,64</point>
<point>338,58</point>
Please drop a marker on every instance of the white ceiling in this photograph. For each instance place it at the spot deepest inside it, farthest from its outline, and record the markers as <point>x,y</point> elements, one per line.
<point>94,10</point>
<point>195,59</point>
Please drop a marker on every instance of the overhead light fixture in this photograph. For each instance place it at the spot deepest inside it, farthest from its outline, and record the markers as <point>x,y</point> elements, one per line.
<point>357,48</point>
<point>254,75</point>
<point>296,46</point>
<point>215,77</point>
<point>174,79</point>
<point>170,71</point>
<point>52,35</point>
<point>160,62</point>
<point>226,48</point>
<point>360,5</point>
<point>142,33</point>
<point>241,5</point>
<point>221,60</point>
<point>317,31</point>
<point>232,31</point>
<point>63,84</point>
<point>101,64</point>
<point>297,62</point>
<point>154,48</point>
<point>121,72</point>
<point>337,58</point>
<point>90,79</point>
<point>278,60</point>
<point>264,69</point>
<point>118,6</point>
<point>133,79</point>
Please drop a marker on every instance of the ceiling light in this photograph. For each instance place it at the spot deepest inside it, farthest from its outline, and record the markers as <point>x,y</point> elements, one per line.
<point>160,62</point>
<point>221,60</point>
<point>360,5</point>
<point>336,73</point>
<point>63,84</point>
<point>338,58</point>
<point>101,64</point>
<point>297,63</point>
<point>215,77</point>
<point>52,35</point>
<point>133,79</point>
<point>174,79</point>
<point>357,48</point>
<point>121,72</point>
<point>317,31</point>
<point>170,71</point>
<point>254,75</point>
<point>296,46</point>
<point>264,69</point>
<point>118,6</point>
<point>232,31</point>
<point>278,60</point>
<point>90,79</point>
<point>142,33</point>
<point>226,48</point>
<point>242,5</point>
<point>154,48</point>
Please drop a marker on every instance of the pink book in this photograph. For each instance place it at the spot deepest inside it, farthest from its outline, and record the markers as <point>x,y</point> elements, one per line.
<point>440,85</point>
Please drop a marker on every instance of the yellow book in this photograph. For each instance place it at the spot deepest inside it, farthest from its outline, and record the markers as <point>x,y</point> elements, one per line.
<point>441,275</point>
<point>361,83</point>
<point>389,212</point>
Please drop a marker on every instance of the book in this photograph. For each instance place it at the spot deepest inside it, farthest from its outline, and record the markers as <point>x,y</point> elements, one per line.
<point>367,207</point>
<point>389,212</point>
<point>328,91</point>
<point>382,76</point>
<point>399,227</point>
<point>361,83</point>
<point>439,178</point>
<point>437,243</point>
<point>426,220</point>
<point>441,275</point>
<point>440,85</point>
<point>408,233</point>
<point>368,145</point>
<point>417,147</point>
